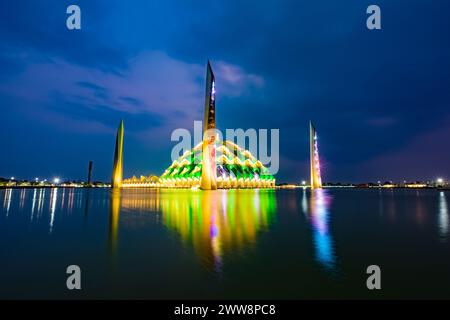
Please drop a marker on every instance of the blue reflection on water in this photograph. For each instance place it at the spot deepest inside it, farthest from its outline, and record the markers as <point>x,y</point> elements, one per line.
<point>320,203</point>
<point>443,216</point>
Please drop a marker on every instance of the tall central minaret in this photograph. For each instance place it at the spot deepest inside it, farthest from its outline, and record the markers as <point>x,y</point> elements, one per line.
<point>316,179</point>
<point>117,174</point>
<point>208,181</point>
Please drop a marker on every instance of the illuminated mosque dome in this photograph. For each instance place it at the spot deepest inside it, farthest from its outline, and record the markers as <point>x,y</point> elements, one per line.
<point>235,168</point>
<point>210,165</point>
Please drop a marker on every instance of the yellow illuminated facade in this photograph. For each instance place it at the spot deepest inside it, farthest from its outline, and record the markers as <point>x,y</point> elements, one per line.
<point>142,181</point>
<point>416,185</point>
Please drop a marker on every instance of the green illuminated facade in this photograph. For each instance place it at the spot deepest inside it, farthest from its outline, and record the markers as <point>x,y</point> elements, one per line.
<point>235,168</point>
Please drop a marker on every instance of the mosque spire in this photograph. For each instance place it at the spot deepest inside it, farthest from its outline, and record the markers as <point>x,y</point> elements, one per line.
<point>208,180</point>
<point>316,179</point>
<point>117,174</point>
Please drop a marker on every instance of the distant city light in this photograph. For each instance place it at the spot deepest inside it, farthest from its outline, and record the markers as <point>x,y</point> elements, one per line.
<point>439,180</point>
<point>12,178</point>
<point>56,180</point>
<point>303,182</point>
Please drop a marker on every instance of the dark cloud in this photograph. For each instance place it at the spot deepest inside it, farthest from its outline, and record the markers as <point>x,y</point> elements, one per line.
<point>278,64</point>
<point>41,26</point>
<point>131,100</point>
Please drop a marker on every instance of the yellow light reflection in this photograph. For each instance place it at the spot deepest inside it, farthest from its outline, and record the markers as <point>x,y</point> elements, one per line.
<point>53,197</point>
<point>114,213</point>
<point>7,200</point>
<point>33,204</point>
<point>213,221</point>
<point>22,198</point>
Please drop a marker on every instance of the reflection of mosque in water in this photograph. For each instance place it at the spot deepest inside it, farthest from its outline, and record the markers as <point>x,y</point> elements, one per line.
<point>214,222</point>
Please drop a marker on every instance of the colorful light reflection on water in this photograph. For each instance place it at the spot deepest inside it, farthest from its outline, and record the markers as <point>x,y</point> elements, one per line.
<point>212,221</point>
<point>148,243</point>
<point>319,216</point>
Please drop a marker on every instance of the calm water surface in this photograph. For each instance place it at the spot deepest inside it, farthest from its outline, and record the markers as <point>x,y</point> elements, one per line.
<point>224,244</point>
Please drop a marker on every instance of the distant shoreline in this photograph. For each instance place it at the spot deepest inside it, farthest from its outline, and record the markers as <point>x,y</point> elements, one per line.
<point>277,187</point>
<point>50,187</point>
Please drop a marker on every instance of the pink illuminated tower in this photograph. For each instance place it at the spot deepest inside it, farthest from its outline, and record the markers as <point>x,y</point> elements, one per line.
<point>316,179</point>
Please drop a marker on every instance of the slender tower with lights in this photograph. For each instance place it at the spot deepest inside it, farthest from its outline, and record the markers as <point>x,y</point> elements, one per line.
<point>208,180</point>
<point>117,174</point>
<point>316,180</point>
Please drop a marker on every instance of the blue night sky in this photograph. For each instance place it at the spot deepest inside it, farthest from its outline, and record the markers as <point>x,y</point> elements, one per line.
<point>380,99</point>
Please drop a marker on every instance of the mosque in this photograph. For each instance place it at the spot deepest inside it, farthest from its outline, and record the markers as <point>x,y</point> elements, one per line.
<point>210,165</point>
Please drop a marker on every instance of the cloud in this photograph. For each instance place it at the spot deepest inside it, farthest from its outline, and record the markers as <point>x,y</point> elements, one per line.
<point>276,67</point>
<point>40,26</point>
<point>234,81</point>
<point>155,85</point>
<point>90,85</point>
<point>381,121</point>
<point>80,126</point>
<point>424,157</point>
